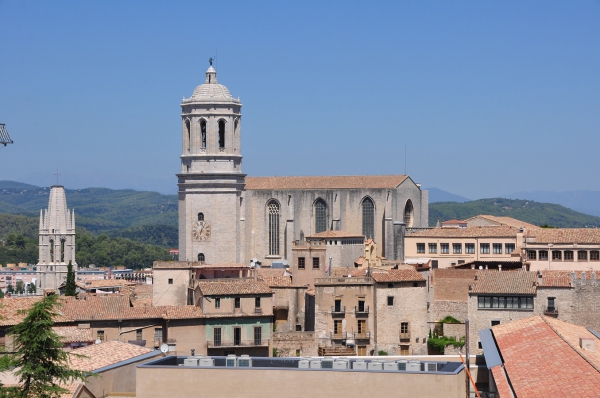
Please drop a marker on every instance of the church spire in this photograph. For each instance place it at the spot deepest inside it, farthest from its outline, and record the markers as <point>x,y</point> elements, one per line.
<point>211,74</point>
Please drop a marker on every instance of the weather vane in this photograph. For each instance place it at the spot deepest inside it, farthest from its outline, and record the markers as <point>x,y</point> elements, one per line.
<point>210,60</point>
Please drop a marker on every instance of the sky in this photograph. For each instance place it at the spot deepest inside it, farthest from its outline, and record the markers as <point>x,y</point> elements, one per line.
<point>487,98</point>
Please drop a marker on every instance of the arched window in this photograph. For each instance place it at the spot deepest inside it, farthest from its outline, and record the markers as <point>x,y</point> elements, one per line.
<point>200,216</point>
<point>408,214</point>
<point>203,132</point>
<point>51,251</point>
<point>320,216</point>
<point>201,257</point>
<point>221,134</point>
<point>273,213</point>
<point>187,128</point>
<point>368,218</point>
<point>62,250</point>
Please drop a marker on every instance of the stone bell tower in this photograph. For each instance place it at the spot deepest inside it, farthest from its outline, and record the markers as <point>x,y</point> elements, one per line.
<point>56,240</point>
<point>211,183</point>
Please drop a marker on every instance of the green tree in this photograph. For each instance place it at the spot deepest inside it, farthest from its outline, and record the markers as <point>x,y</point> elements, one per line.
<point>20,289</point>
<point>70,287</point>
<point>10,289</point>
<point>1,294</point>
<point>41,362</point>
<point>31,288</point>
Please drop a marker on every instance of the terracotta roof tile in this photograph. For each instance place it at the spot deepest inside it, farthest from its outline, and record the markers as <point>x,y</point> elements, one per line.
<point>452,284</point>
<point>221,265</point>
<point>74,334</point>
<point>335,234</point>
<point>506,221</point>
<point>97,356</point>
<point>269,272</point>
<point>398,275</point>
<point>556,278</point>
<point>469,232</point>
<point>104,283</point>
<point>324,182</point>
<point>341,272</point>
<point>225,288</point>
<point>541,361</point>
<point>504,282</point>
<point>565,235</point>
<point>13,310</point>
<point>276,281</point>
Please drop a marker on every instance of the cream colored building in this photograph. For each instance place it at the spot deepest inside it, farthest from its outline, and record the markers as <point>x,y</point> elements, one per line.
<point>447,247</point>
<point>226,217</point>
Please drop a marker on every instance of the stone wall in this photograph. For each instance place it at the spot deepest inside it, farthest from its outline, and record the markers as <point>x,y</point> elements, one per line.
<point>291,344</point>
<point>442,308</point>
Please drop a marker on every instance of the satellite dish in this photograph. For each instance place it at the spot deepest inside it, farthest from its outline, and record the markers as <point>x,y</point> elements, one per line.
<point>481,267</point>
<point>98,341</point>
<point>164,348</point>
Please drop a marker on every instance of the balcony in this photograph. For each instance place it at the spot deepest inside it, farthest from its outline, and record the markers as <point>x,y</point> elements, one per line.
<point>338,311</point>
<point>238,343</point>
<point>551,311</point>
<point>361,336</point>
<point>350,336</point>
<point>361,312</point>
<point>258,310</point>
<point>405,336</point>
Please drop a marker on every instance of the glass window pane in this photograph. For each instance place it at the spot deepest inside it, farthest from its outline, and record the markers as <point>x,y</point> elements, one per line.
<point>368,221</point>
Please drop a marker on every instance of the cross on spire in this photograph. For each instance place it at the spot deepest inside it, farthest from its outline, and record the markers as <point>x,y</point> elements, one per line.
<point>210,61</point>
<point>56,174</point>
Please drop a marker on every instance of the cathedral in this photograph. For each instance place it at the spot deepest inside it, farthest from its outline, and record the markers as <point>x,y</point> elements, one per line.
<point>56,241</point>
<point>227,217</point>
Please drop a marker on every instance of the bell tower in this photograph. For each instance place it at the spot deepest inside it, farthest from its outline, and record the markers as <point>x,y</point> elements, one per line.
<point>211,182</point>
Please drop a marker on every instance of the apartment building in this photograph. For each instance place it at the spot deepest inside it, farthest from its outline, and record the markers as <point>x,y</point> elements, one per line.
<point>569,249</point>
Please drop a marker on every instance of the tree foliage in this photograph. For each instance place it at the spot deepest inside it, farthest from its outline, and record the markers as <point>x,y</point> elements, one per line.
<point>41,362</point>
<point>70,287</point>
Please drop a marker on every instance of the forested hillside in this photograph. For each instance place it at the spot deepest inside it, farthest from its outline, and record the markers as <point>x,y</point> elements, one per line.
<point>526,210</point>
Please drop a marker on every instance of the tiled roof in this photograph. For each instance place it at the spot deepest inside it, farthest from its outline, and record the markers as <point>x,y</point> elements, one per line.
<point>340,272</point>
<point>454,222</point>
<point>175,264</point>
<point>324,182</point>
<point>233,287</point>
<point>276,281</point>
<point>269,272</point>
<point>97,356</point>
<point>103,283</point>
<point>565,235</point>
<point>12,310</point>
<point>74,334</point>
<point>221,265</point>
<point>506,221</point>
<point>398,275</point>
<point>335,234</point>
<point>469,232</point>
<point>141,295</point>
<point>541,358</point>
<point>556,278</point>
<point>452,284</point>
<point>504,282</point>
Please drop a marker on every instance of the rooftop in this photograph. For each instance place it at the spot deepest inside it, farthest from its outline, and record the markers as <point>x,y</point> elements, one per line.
<point>469,232</point>
<point>503,282</point>
<point>335,234</point>
<point>74,334</point>
<point>398,275</point>
<point>452,284</point>
<point>103,283</point>
<point>325,182</point>
<point>233,287</point>
<point>97,356</point>
<point>504,220</point>
<point>565,235</point>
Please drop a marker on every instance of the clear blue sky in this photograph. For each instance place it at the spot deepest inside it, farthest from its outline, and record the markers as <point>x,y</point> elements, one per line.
<point>489,97</point>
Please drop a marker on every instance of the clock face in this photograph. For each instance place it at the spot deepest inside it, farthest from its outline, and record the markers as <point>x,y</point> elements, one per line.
<point>201,231</point>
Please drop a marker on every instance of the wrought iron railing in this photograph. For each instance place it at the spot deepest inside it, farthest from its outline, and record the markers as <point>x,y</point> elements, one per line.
<point>237,343</point>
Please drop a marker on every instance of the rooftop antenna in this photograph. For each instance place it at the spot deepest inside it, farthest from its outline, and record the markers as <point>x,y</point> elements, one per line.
<point>405,158</point>
<point>4,137</point>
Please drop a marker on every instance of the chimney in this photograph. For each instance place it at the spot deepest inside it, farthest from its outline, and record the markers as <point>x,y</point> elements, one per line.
<point>499,267</point>
<point>539,278</point>
<point>587,344</point>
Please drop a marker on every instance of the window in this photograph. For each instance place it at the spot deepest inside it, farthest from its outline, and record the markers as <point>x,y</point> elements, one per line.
<point>390,300</point>
<point>594,255</point>
<point>484,248</point>
<point>158,336</point>
<point>200,216</point>
<point>432,248</point>
<point>495,322</point>
<point>362,327</point>
<point>257,335</point>
<point>298,328</point>
<point>445,248</point>
<point>361,305</point>
<point>301,262</point>
<point>556,255</point>
<point>434,263</point>
<point>138,334</point>
<point>337,327</point>
<point>237,336</point>
<point>187,129</point>
<point>470,248</point>
<point>62,250</point>
<point>368,218</point>
<point>408,214</point>
<point>551,304</point>
<point>273,211</point>
<point>100,335</point>
<point>170,281</point>
<point>390,285</point>
<point>403,327</point>
<point>420,247</point>
<point>582,255</point>
<point>543,254</point>
<point>217,302</point>
<point>237,302</point>
<point>509,248</point>
<point>531,254</point>
<point>201,257</point>
<point>497,247</point>
<point>315,262</point>
<point>568,255</point>
<point>457,248</point>
<point>52,250</point>
<point>221,134</point>
<point>503,302</point>
<point>320,216</point>
<point>256,302</point>
<point>203,132</point>
<point>217,337</point>
<point>337,305</point>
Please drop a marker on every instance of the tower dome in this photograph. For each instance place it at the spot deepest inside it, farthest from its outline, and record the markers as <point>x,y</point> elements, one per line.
<point>211,90</point>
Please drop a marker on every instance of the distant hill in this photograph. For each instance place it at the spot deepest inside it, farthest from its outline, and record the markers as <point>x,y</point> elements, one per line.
<point>526,210</point>
<point>99,210</point>
<point>584,201</point>
<point>437,195</point>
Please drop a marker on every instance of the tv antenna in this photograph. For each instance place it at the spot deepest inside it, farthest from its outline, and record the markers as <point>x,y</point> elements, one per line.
<point>4,137</point>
